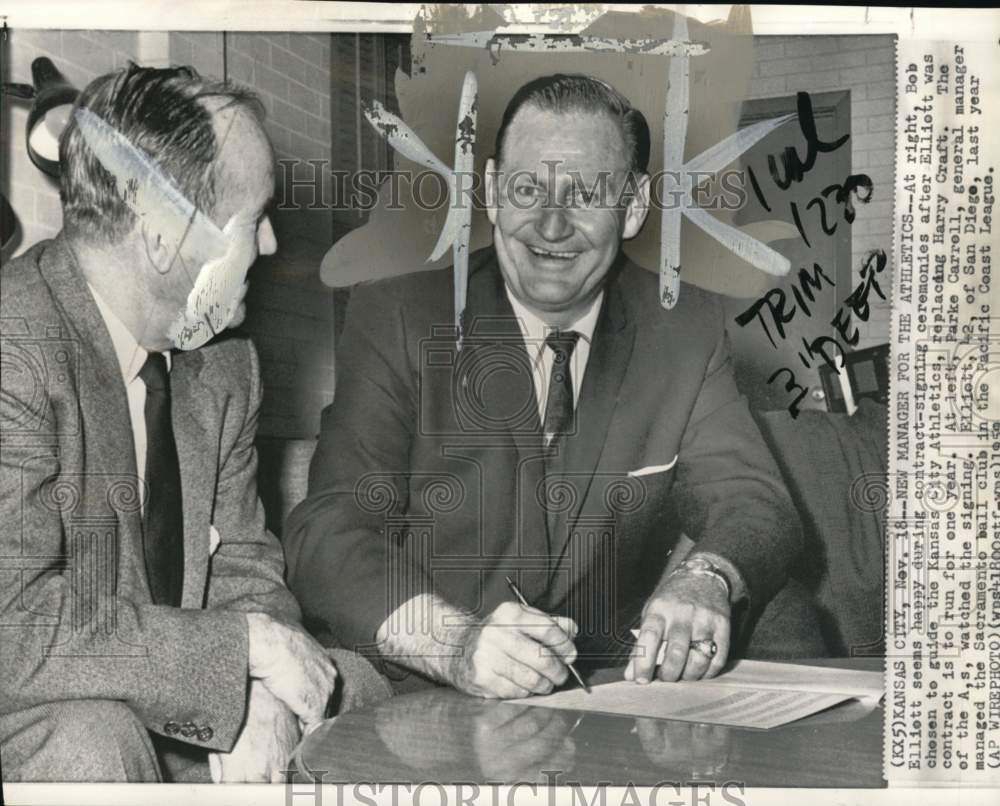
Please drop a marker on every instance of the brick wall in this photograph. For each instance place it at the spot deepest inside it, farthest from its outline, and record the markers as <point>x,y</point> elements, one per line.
<point>864,65</point>
<point>202,50</point>
<point>81,56</point>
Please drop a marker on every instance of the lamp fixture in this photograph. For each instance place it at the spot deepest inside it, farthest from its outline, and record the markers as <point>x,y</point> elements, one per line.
<point>52,99</point>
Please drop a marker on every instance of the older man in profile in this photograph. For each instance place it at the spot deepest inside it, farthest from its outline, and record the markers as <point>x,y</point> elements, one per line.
<point>571,382</point>
<point>147,630</point>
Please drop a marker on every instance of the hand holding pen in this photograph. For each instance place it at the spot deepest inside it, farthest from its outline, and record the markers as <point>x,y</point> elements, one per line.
<point>524,603</point>
<point>516,651</point>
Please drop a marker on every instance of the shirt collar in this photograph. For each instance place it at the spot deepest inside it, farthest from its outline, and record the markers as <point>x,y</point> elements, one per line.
<point>131,355</point>
<point>534,330</point>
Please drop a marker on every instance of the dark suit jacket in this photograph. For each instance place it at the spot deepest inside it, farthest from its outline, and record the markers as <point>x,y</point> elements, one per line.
<point>77,618</point>
<point>429,469</point>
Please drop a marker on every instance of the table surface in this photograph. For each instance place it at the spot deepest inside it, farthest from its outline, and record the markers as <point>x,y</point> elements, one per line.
<point>447,737</point>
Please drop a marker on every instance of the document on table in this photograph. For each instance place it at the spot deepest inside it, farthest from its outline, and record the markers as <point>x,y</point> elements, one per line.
<point>749,694</point>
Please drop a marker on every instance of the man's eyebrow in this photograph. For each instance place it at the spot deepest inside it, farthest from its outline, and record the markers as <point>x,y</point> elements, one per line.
<point>518,176</point>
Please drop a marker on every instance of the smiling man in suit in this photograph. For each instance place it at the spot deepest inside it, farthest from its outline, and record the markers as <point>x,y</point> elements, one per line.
<point>147,632</point>
<point>577,438</point>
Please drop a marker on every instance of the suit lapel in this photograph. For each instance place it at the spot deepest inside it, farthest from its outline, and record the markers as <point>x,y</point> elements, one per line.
<point>195,417</point>
<point>610,352</point>
<point>109,448</point>
<point>496,379</point>
<point>109,445</point>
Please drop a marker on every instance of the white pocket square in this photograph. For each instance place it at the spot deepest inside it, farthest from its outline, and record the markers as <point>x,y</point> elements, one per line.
<point>213,539</point>
<point>649,470</point>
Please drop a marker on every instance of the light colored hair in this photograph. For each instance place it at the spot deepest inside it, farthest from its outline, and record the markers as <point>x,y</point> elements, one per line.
<point>161,112</point>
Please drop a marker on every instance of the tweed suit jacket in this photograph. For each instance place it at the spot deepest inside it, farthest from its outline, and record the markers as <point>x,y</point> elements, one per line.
<point>76,617</point>
<point>431,471</point>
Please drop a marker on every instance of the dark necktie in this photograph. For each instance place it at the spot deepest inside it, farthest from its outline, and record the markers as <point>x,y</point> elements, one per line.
<point>559,403</point>
<point>163,519</point>
<point>558,422</point>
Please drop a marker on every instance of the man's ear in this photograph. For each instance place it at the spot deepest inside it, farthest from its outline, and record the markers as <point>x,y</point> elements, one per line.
<point>638,208</point>
<point>491,182</point>
<point>159,254</point>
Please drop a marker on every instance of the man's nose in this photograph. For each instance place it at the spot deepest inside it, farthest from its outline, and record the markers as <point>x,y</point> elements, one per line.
<point>553,223</point>
<point>267,243</point>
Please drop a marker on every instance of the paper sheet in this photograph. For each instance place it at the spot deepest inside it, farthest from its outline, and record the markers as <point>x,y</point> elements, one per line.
<point>866,686</point>
<point>761,674</point>
<point>753,694</point>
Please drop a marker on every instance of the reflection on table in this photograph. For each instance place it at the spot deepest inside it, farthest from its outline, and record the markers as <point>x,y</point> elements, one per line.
<point>443,736</point>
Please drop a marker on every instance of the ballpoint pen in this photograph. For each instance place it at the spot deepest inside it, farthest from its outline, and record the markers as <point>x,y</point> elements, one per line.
<point>524,603</point>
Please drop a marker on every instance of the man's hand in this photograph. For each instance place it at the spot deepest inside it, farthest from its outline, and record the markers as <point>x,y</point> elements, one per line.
<point>700,752</point>
<point>516,652</point>
<point>684,608</point>
<point>292,666</point>
<point>510,742</point>
<point>262,751</point>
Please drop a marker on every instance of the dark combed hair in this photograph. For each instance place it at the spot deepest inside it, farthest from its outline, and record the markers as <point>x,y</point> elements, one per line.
<point>564,93</point>
<point>161,112</point>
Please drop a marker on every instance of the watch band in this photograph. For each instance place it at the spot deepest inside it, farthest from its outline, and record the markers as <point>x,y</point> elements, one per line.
<point>700,566</point>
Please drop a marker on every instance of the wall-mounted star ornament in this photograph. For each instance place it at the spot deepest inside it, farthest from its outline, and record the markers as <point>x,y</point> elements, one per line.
<point>456,230</point>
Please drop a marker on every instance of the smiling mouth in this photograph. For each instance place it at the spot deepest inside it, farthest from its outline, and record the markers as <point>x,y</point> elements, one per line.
<point>551,254</point>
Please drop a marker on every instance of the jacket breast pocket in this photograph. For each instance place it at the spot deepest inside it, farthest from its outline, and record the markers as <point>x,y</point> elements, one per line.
<point>652,485</point>
<point>652,470</point>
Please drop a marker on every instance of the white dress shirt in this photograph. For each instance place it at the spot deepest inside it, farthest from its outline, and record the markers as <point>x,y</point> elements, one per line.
<point>534,331</point>
<point>131,357</point>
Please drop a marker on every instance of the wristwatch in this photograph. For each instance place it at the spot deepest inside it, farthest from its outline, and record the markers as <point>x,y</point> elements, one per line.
<point>701,566</point>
